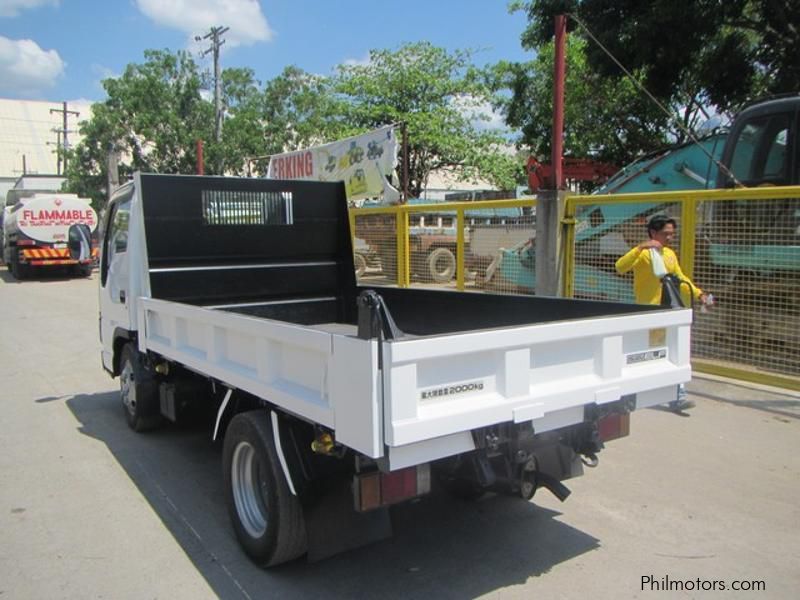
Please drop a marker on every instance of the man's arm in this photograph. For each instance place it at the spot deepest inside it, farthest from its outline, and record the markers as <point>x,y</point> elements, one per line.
<point>628,260</point>
<point>696,291</point>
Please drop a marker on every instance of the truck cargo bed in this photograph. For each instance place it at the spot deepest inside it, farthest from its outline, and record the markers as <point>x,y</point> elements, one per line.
<point>272,308</point>
<point>541,362</point>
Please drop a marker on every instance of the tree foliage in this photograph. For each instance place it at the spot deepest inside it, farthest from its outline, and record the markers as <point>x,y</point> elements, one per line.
<point>604,119</point>
<point>301,110</point>
<point>441,98</point>
<point>693,56</point>
<point>725,52</point>
<point>156,111</point>
<point>152,116</point>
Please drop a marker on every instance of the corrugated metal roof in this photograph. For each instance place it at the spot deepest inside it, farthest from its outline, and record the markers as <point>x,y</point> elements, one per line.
<point>27,128</point>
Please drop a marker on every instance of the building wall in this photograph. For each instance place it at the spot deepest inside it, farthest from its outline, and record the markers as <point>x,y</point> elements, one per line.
<point>28,136</point>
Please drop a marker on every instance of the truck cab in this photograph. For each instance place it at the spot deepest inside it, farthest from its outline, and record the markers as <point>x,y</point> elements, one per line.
<point>761,148</point>
<point>118,283</point>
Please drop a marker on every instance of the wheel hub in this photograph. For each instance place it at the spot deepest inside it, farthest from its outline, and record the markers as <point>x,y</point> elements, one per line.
<point>127,388</point>
<point>248,489</point>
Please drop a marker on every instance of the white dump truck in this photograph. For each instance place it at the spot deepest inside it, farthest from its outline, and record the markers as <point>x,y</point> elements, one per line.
<point>43,230</point>
<point>336,401</point>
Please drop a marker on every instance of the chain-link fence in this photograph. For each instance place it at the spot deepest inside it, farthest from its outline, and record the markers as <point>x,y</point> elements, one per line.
<point>453,245</point>
<point>742,246</point>
<point>747,254</point>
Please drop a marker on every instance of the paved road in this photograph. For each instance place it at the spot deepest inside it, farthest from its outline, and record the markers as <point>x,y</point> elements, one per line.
<point>89,509</point>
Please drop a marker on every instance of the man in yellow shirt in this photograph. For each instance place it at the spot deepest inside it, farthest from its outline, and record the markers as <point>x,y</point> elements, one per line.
<point>647,284</point>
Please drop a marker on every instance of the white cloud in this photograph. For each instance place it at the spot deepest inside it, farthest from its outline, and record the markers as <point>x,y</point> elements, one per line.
<point>12,8</point>
<point>26,69</point>
<point>247,23</point>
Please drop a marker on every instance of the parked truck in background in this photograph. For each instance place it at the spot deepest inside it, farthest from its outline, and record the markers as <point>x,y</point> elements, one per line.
<point>46,230</point>
<point>336,401</point>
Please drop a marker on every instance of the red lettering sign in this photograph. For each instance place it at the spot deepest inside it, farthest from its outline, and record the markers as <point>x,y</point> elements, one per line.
<point>294,166</point>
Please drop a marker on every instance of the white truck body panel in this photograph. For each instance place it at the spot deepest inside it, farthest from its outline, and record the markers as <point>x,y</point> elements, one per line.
<point>432,390</point>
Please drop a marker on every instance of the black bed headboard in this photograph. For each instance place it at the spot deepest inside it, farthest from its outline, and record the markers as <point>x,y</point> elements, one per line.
<point>217,240</point>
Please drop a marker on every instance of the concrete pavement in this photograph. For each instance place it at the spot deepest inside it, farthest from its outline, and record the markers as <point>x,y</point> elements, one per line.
<point>90,509</point>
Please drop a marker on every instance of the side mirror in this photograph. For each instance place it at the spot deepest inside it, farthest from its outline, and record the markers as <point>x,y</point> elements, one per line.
<point>79,242</point>
<point>121,242</point>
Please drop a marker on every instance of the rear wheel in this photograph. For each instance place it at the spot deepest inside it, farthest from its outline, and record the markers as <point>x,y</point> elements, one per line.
<point>19,270</point>
<point>267,518</point>
<point>83,270</point>
<point>138,391</point>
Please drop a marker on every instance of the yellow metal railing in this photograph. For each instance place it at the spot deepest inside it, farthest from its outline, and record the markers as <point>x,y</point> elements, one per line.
<point>429,244</point>
<point>743,246</point>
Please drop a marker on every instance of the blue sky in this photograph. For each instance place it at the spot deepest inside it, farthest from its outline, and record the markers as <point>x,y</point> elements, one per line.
<point>61,49</point>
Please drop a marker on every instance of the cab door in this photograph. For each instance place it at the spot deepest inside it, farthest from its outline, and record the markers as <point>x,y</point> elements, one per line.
<point>115,276</point>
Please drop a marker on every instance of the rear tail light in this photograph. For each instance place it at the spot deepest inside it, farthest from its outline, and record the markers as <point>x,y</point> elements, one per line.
<point>614,426</point>
<point>26,242</point>
<point>376,489</point>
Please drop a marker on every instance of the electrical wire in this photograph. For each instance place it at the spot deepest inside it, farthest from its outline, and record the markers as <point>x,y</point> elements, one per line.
<point>666,111</point>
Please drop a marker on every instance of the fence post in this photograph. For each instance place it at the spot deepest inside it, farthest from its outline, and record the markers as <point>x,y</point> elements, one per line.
<point>568,241</point>
<point>460,249</point>
<point>688,234</point>
<point>403,267</point>
<point>549,261</point>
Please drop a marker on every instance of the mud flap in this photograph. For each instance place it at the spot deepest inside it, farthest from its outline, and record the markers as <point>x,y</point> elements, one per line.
<point>334,526</point>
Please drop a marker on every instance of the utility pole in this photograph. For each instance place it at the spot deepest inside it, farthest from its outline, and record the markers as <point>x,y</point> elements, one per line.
<point>215,35</point>
<point>59,152</point>
<point>65,112</point>
<point>112,166</point>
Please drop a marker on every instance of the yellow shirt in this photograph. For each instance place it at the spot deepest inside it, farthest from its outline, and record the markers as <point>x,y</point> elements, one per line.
<point>646,286</point>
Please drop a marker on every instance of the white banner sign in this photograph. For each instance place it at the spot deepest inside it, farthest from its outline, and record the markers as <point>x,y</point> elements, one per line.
<point>363,162</point>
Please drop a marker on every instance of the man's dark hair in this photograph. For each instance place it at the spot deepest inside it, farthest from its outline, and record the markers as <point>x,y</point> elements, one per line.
<point>658,222</point>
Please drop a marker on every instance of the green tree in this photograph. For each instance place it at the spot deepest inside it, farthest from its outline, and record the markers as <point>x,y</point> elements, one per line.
<point>301,110</point>
<point>604,119</point>
<point>442,99</point>
<point>243,128</point>
<point>152,116</point>
<point>721,53</point>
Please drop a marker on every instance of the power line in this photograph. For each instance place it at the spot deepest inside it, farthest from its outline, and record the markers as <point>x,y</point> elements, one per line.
<point>666,111</point>
<point>50,122</point>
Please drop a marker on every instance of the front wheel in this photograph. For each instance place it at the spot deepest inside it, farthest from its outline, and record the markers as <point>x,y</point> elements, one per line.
<point>267,518</point>
<point>138,391</point>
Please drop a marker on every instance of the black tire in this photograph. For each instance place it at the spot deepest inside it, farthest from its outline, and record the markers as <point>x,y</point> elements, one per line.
<point>19,270</point>
<point>267,518</point>
<point>360,263</point>
<point>83,270</point>
<point>441,265</point>
<point>462,489</point>
<point>138,391</point>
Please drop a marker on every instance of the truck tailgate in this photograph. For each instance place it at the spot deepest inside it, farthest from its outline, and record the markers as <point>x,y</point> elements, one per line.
<point>440,385</point>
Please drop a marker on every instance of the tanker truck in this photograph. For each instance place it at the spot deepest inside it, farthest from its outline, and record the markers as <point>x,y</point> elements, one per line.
<point>45,230</point>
